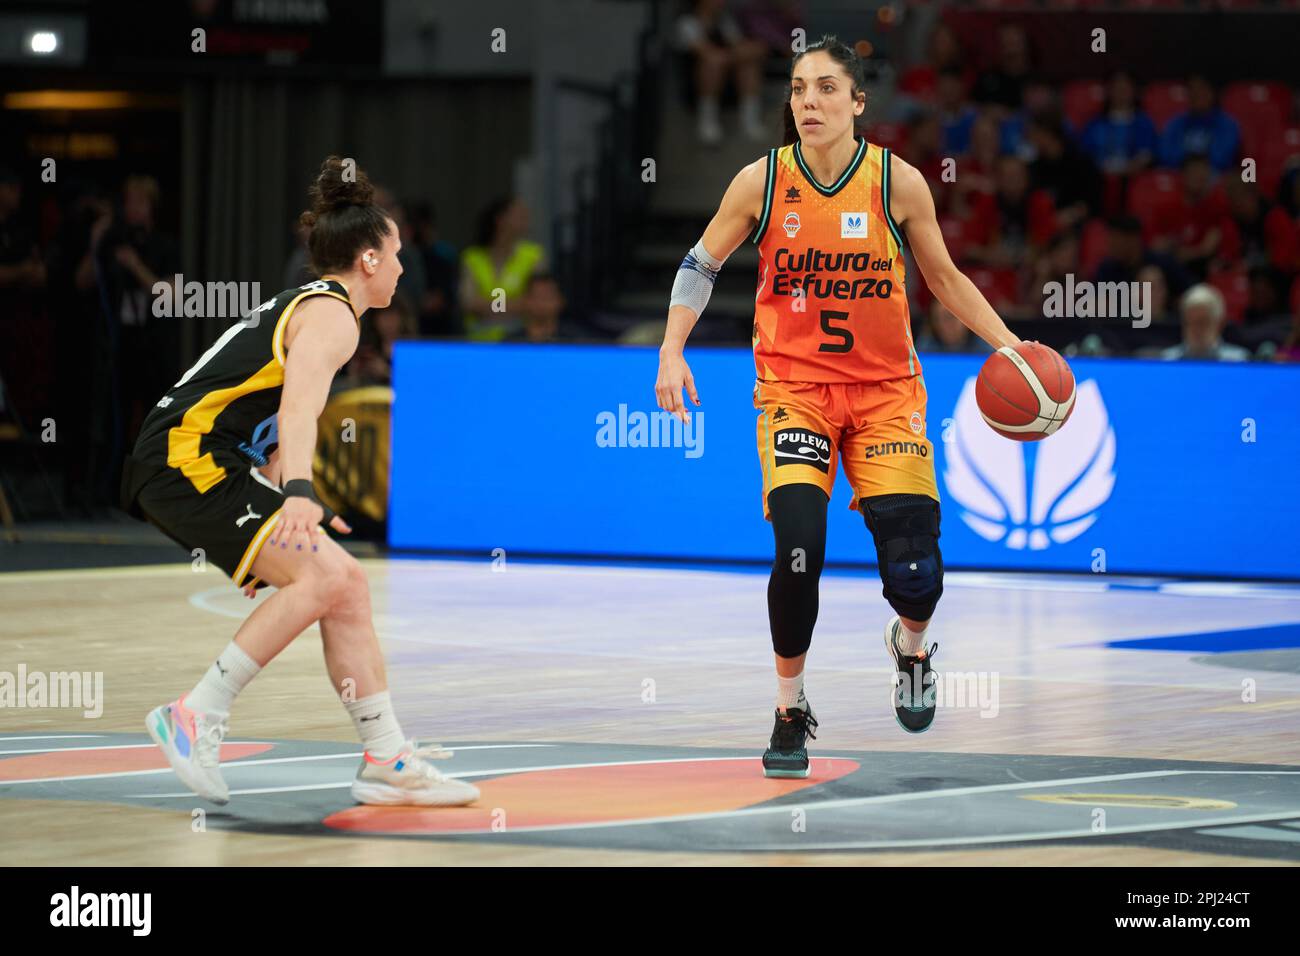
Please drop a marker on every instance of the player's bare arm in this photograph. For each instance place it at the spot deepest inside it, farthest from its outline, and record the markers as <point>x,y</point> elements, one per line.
<point>321,337</point>
<point>913,209</point>
<point>741,206</point>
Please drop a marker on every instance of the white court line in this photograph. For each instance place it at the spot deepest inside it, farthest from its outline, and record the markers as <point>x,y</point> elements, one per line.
<point>1026,837</point>
<point>75,750</point>
<point>4,739</point>
<point>239,763</point>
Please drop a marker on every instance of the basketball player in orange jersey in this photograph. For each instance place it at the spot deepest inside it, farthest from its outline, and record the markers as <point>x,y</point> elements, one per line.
<point>838,377</point>
<point>224,464</point>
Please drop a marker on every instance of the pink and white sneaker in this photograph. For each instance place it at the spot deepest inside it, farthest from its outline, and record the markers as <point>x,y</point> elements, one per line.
<point>192,742</point>
<point>410,780</point>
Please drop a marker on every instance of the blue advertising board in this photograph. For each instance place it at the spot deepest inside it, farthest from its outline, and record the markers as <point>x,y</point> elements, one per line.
<point>1170,468</point>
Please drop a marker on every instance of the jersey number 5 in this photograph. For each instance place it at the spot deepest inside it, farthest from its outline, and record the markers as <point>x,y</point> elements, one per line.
<point>835,332</point>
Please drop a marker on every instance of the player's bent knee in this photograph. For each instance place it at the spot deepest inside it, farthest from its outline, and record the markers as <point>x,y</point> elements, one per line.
<point>906,533</point>
<point>349,588</point>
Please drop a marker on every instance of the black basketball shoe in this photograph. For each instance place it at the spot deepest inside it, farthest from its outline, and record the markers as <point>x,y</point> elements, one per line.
<point>915,693</point>
<point>787,754</point>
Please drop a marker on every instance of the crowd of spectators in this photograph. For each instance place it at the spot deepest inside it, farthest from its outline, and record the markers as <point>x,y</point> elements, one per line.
<point>1109,180</point>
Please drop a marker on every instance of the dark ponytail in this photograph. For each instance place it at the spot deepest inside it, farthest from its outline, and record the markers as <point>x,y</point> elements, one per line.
<point>849,61</point>
<point>343,219</point>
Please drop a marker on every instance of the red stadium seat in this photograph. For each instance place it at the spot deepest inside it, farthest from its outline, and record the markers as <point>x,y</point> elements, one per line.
<point>1164,100</point>
<point>1150,190</point>
<point>955,235</point>
<point>1260,109</point>
<point>1274,154</point>
<point>1092,247</point>
<point>1235,286</point>
<point>1082,100</point>
<point>889,135</point>
<point>999,286</point>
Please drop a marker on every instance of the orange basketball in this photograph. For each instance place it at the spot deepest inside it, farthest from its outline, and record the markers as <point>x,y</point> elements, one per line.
<point>1025,392</point>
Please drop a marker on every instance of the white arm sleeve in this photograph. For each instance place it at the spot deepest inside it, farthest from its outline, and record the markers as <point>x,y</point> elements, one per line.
<point>695,278</point>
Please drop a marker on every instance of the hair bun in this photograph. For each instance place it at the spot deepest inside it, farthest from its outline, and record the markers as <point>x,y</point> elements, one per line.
<point>332,191</point>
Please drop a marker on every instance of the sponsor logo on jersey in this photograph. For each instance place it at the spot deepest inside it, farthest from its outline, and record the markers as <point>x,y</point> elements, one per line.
<point>917,423</point>
<point>1025,495</point>
<point>799,446</point>
<point>810,272</point>
<point>898,448</point>
<point>792,194</point>
<point>853,225</point>
<point>265,435</point>
<point>781,415</point>
<point>791,224</point>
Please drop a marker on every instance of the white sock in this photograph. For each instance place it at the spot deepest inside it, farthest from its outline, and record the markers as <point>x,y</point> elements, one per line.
<point>708,110</point>
<point>228,675</point>
<point>377,725</point>
<point>908,641</point>
<point>789,691</point>
<point>749,110</point>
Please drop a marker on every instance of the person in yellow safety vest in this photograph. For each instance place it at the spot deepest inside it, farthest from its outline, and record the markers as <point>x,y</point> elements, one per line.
<point>502,259</point>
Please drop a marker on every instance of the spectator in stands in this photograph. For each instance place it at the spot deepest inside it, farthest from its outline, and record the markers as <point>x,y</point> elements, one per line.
<point>438,316</point>
<point>1259,232</point>
<point>1157,290</point>
<point>413,283</point>
<point>925,146</point>
<point>710,34</point>
<point>1192,224</point>
<point>1289,350</point>
<point>944,53</point>
<point>133,256</point>
<point>1003,85</point>
<point>1122,139</point>
<point>21,266</point>
<point>380,329</point>
<point>1204,130</point>
<point>495,271</point>
<point>1025,216</point>
<point>979,168</point>
<point>1059,260</point>
<point>22,312</point>
<point>772,22</point>
<point>1204,315</point>
<point>543,309</point>
<point>1064,170</point>
<point>955,113</point>
<point>1126,256</point>
<point>944,332</point>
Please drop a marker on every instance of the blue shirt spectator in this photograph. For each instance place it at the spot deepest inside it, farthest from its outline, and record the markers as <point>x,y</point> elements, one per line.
<point>1203,129</point>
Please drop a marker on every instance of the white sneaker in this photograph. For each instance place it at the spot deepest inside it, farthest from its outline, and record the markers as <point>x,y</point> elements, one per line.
<point>192,742</point>
<point>410,780</point>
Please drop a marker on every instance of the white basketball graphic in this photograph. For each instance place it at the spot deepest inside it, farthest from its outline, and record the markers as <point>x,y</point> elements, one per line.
<point>1073,475</point>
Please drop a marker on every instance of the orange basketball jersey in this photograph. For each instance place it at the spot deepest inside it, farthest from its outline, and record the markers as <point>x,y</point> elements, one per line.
<point>831,305</point>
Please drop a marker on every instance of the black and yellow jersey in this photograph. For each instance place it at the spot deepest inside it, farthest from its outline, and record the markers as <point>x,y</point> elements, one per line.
<point>221,415</point>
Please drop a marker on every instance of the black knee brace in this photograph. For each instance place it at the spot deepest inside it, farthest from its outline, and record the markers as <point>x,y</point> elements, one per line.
<point>906,531</point>
<point>799,523</point>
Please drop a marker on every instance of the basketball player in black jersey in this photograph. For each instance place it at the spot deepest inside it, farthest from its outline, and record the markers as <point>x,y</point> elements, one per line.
<point>223,464</point>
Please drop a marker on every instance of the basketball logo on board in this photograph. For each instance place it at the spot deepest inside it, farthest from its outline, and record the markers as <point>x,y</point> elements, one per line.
<point>1031,496</point>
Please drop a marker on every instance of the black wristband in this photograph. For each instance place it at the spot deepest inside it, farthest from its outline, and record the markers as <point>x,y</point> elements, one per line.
<point>299,488</point>
<point>302,488</point>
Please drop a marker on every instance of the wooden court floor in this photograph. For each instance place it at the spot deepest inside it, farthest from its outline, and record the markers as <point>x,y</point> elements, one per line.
<point>644,668</point>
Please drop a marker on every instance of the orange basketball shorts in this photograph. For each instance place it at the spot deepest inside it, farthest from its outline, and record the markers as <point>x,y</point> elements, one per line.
<point>877,429</point>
